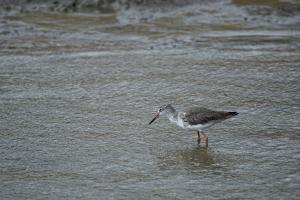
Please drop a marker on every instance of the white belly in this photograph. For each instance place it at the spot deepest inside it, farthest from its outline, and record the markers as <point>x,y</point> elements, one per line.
<point>179,122</point>
<point>200,126</point>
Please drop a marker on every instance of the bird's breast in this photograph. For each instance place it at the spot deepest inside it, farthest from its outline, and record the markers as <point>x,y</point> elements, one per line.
<point>181,121</point>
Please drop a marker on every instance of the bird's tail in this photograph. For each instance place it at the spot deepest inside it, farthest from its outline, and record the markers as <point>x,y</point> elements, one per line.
<point>233,113</point>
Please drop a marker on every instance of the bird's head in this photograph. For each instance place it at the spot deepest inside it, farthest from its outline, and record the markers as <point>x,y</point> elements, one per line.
<point>163,110</point>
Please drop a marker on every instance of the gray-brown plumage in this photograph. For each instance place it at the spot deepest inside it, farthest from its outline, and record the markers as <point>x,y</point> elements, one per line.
<point>196,118</point>
<point>199,115</point>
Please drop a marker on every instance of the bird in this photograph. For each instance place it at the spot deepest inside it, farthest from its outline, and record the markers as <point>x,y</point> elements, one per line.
<point>194,118</point>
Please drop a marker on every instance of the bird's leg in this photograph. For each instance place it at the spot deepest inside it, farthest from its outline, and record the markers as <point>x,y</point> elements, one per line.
<point>198,137</point>
<point>206,139</point>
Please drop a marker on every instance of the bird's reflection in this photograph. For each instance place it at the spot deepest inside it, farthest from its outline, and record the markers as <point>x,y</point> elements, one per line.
<point>197,156</point>
<point>190,158</point>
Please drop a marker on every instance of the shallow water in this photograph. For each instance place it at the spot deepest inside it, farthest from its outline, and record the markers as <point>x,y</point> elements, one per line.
<point>77,92</point>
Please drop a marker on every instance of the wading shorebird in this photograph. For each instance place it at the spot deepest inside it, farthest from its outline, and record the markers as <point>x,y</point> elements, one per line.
<point>195,118</point>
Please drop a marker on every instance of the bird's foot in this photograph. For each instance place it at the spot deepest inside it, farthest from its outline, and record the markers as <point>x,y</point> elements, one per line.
<point>206,139</point>
<point>198,137</point>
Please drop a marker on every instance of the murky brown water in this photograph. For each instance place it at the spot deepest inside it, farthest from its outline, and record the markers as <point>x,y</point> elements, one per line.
<point>77,92</point>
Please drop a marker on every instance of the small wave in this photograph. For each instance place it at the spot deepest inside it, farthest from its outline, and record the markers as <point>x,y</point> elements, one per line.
<point>102,6</point>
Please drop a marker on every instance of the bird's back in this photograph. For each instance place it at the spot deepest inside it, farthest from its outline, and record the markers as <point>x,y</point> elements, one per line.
<point>200,115</point>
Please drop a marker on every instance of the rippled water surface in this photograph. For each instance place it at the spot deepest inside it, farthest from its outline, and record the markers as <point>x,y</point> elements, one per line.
<point>77,92</point>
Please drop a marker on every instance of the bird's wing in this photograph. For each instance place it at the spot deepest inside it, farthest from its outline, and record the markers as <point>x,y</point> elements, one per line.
<point>199,115</point>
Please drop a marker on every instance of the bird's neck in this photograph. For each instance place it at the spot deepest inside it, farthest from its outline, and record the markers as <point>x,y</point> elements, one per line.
<point>173,115</point>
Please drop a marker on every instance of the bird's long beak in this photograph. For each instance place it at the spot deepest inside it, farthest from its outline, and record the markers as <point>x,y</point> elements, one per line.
<point>156,116</point>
